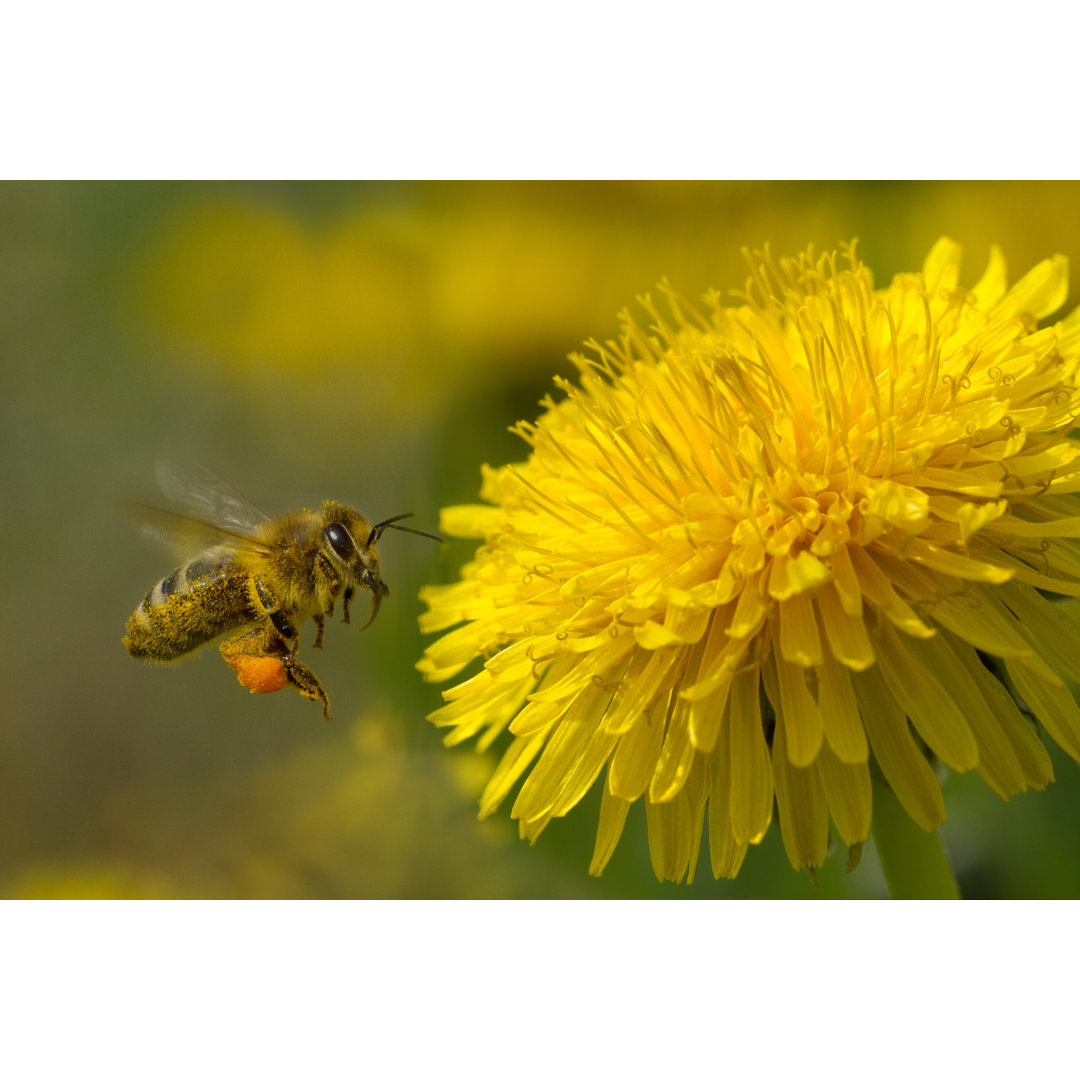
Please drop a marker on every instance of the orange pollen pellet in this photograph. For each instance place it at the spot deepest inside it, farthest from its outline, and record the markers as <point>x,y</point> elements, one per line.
<point>260,674</point>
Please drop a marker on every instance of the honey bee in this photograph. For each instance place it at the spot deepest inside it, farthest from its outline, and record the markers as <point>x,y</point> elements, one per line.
<point>261,576</point>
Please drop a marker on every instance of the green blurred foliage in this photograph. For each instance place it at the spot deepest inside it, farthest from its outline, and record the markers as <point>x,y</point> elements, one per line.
<point>370,343</point>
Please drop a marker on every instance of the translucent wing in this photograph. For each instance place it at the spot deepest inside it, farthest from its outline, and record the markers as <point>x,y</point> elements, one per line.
<point>207,498</point>
<point>187,536</point>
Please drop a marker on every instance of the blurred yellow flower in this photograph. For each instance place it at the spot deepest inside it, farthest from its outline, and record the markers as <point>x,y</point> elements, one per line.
<point>761,554</point>
<point>254,285</point>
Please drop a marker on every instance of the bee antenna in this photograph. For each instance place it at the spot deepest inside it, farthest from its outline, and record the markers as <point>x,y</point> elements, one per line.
<point>377,530</point>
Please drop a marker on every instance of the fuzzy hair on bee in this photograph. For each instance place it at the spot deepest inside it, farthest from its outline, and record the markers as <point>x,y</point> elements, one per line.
<point>256,578</point>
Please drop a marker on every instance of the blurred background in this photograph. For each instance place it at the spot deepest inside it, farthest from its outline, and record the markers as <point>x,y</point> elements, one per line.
<point>369,343</point>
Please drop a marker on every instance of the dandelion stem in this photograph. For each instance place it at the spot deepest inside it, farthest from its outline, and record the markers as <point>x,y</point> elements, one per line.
<point>913,860</point>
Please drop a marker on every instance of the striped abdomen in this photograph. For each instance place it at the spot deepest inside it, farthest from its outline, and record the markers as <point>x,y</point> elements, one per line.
<point>193,605</point>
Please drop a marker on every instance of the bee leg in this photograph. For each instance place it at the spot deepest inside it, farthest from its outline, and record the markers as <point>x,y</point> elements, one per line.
<point>319,623</point>
<point>331,577</point>
<point>306,681</point>
<point>276,614</point>
<point>264,664</point>
<point>346,599</point>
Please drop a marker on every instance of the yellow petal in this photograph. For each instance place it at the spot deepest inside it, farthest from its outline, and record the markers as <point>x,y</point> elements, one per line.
<point>848,791</point>
<point>877,589</point>
<point>1034,761</point>
<point>597,664</point>
<point>954,564</point>
<point>937,717</point>
<point>846,582</point>
<point>612,818</point>
<point>997,762</point>
<point>800,799</point>
<point>975,620</point>
<point>725,852</point>
<point>848,640</point>
<point>800,712</point>
<point>634,761</point>
<point>578,742</point>
<point>1054,706</point>
<point>941,268</point>
<point>672,843</point>
<point>1041,291</point>
<point>519,755</point>
<point>751,770</point>
<point>1047,626</point>
<point>685,628</point>
<point>902,763</point>
<point>649,676</point>
<point>477,520</point>
<point>800,642</point>
<point>840,718</point>
<point>676,755</point>
<point>992,285</point>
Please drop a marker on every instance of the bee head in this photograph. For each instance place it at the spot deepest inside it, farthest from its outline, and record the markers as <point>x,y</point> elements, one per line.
<point>359,561</point>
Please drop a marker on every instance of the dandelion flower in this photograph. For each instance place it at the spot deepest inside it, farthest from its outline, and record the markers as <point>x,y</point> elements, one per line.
<point>760,556</point>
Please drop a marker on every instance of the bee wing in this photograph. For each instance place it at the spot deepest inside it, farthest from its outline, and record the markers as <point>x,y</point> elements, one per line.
<point>187,536</point>
<point>208,499</point>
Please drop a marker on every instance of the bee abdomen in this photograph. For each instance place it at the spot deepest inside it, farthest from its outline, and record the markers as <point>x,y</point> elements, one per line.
<point>193,605</point>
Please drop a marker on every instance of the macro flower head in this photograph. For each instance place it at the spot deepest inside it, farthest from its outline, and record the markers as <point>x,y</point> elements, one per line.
<point>764,553</point>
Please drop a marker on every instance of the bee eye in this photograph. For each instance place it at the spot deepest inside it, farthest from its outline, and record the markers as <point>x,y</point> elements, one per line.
<point>339,539</point>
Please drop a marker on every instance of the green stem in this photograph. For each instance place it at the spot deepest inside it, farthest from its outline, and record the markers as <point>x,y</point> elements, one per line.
<point>913,860</point>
